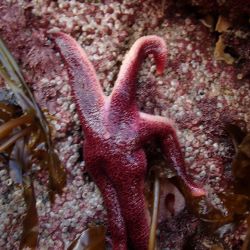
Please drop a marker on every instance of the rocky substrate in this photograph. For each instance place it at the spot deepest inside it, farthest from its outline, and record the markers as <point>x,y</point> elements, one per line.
<point>199,93</point>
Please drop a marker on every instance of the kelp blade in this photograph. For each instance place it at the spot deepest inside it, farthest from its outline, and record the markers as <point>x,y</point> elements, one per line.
<point>92,238</point>
<point>23,156</point>
<point>14,79</point>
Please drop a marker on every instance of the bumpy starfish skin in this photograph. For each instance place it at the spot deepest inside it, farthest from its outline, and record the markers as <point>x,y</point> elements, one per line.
<point>115,133</point>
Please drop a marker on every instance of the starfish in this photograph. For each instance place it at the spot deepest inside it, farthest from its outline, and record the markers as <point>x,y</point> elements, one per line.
<point>115,133</point>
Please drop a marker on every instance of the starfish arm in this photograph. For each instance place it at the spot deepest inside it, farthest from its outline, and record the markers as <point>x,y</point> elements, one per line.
<point>127,174</point>
<point>115,220</point>
<point>124,90</point>
<point>159,127</point>
<point>86,88</point>
<point>134,212</point>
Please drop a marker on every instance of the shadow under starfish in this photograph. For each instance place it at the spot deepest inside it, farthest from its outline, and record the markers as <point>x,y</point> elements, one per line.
<point>115,134</point>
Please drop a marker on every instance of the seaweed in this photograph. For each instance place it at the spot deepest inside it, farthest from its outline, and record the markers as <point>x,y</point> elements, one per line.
<point>216,220</point>
<point>24,141</point>
<point>154,203</point>
<point>92,238</point>
<point>9,70</point>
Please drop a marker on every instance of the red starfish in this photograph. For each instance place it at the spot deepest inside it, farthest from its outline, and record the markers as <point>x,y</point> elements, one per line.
<point>115,133</point>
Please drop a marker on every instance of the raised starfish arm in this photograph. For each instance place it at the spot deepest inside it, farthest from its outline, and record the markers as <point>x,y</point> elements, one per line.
<point>86,88</point>
<point>124,90</point>
<point>156,126</point>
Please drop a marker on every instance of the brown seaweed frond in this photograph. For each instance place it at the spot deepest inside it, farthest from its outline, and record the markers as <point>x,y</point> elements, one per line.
<point>24,141</point>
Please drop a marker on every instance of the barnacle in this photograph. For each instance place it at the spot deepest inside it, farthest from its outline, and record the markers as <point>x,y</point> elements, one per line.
<point>235,199</point>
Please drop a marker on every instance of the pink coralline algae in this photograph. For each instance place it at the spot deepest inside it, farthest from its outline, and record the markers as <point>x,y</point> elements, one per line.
<point>115,133</point>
